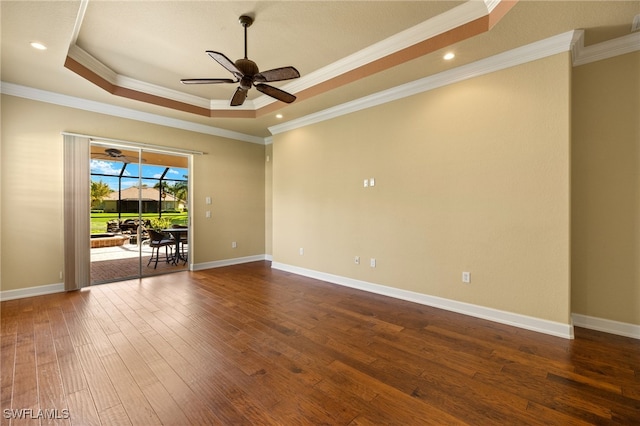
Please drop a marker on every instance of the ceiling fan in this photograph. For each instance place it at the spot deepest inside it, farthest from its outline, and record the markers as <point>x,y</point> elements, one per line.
<point>246,72</point>
<point>115,154</point>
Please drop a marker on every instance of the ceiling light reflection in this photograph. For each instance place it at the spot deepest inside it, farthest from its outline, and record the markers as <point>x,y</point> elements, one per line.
<point>37,45</point>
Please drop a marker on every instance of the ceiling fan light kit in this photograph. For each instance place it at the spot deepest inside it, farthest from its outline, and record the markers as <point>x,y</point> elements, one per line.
<point>247,73</point>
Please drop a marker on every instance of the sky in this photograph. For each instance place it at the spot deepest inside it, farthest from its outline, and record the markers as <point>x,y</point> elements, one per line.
<point>130,176</point>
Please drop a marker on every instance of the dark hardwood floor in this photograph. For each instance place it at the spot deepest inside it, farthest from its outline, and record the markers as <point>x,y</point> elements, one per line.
<point>249,345</point>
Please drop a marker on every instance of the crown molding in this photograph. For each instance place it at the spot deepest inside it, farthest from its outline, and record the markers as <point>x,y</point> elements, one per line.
<point>116,111</point>
<point>447,21</point>
<point>569,41</point>
<point>531,52</point>
<point>572,41</point>
<point>430,28</point>
<point>491,4</point>
<point>607,49</point>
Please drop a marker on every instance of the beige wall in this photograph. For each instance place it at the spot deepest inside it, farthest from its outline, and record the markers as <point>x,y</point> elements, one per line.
<point>268,186</point>
<point>470,177</point>
<point>232,174</point>
<point>606,189</point>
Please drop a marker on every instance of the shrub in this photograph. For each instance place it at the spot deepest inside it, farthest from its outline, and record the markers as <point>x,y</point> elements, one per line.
<point>160,223</point>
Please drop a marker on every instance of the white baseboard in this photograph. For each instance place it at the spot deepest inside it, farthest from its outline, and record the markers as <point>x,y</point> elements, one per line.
<point>59,288</point>
<point>607,326</point>
<point>228,262</point>
<point>522,321</point>
<point>31,291</point>
<point>517,320</point>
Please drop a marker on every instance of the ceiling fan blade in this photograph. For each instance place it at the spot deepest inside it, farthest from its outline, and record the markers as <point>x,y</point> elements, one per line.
<point>207,80</point>
<point>225,62</point>
<point>274,92</point>
<point>239,96</point>
<point>128,159</point>
<point>277,74</point>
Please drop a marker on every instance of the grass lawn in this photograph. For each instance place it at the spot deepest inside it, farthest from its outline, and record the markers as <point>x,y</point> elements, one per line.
<point>99,220</point>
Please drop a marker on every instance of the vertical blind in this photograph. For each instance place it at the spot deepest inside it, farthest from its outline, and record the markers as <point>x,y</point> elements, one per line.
<point>77,228</point>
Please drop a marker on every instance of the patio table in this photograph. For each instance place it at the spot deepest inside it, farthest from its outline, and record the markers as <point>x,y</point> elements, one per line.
<point>178,235</point>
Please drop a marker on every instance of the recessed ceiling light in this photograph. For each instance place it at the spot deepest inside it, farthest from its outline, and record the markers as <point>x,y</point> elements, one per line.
<point>38,46</point>
<point>278,115</point>
<point>449,56</point>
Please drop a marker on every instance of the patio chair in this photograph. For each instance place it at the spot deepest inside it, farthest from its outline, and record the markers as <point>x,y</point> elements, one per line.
<point>158,240</point>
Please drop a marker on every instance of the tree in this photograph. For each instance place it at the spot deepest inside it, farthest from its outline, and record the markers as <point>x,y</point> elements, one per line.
<point>165,186</point>
<point>181,190</point>
<point>99,191</point>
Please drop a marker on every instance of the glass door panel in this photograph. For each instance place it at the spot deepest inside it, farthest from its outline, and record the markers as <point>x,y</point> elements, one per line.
<point>133,193</point>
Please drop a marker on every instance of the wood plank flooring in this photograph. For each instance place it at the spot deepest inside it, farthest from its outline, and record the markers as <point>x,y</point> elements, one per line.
<point>250,345</point>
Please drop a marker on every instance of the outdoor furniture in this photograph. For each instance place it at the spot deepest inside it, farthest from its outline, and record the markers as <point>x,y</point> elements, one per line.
<point>113,226</point>
<point>158,240</point>
<point>180,238</point>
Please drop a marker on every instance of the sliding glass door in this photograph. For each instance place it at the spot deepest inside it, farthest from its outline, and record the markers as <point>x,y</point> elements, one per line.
<point>139,215</point>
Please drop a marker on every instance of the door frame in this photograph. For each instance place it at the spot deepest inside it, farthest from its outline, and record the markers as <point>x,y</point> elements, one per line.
<point>77,177</point>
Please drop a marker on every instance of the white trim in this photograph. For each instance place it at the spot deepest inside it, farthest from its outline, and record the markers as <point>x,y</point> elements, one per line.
<point>521,55</point>
<point>31,291</point>
<point>454,18</point>
<point>635,24</point>
<point>116,111</point>
<point>83,57</point>
<point>82,10</point>
<point>491,4</point>
<point>607,326</point>
<point>228,262</point>
<point>572,40</point>
<point>426,30</point>
<point>605,50</point>
<point>517,320</point>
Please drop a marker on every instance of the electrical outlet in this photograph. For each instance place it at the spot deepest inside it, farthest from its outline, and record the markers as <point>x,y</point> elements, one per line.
<point>466,277</point>
<point>356,260</point>
<point>372,182</point>
<point>372,263</point>
<point>207,214</point>
<point>301,251</point>
<point>366,183</point>
<point>234,244</point>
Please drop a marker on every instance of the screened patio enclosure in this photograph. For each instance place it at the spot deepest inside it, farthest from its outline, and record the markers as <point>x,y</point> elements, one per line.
<point>137,194</point>
<point>131,182</point>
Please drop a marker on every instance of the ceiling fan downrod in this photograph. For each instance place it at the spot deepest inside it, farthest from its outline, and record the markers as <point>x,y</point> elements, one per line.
<point>245,21</point>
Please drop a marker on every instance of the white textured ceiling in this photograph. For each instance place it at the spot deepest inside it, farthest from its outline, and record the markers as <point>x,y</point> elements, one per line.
<point>160,42</point>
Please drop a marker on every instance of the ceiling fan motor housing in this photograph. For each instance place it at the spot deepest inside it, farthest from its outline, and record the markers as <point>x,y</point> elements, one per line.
<point>247,67</point>
<point>113,152</point>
